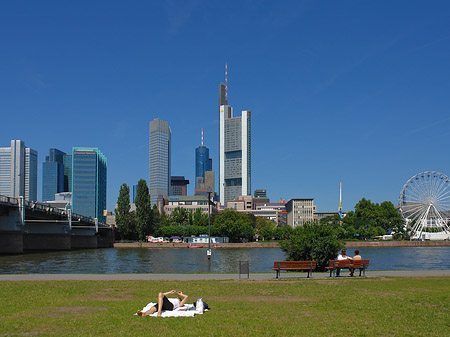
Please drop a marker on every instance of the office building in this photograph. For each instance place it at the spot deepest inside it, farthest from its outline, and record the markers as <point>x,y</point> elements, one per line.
<point>89,170</point>
<point>202,163</point>
<point>159,159</point>
<point>300,211</point>
<point>56,174</point>
<point>18,171</point>
<point>261,197</point>
<point>178,185</point>
<point>133,199</point>
<point>190,203</point>
<point>234,151</point>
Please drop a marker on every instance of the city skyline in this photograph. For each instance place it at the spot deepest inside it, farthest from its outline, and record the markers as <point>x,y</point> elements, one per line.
<point>351,92</point>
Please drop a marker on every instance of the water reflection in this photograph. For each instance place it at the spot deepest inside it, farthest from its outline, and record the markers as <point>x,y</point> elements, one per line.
<point>184,260</point>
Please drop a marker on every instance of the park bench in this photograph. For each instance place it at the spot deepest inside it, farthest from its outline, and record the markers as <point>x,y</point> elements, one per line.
<point>348,264</point>
<point>307,266</point>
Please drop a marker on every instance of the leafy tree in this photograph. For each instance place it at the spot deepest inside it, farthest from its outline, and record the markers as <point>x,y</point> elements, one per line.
<point>312,242</point>
<point>200,218</point>
<point>282,233</point>
<point>234,225</point>
<point>126,228</point>
<point>264,228</point>
<point>144,212</point>
<point>180,217</point>
<point>156,217</point>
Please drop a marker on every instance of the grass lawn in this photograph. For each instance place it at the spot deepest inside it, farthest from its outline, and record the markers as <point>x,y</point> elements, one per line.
<point>345,307</point>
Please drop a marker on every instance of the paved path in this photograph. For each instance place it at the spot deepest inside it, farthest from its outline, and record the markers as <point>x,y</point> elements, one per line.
<point>253,276</point>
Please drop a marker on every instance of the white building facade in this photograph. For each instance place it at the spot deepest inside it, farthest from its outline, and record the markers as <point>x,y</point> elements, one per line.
<point>300,211</point>
<point>18,171</point>
<point>234,153</point>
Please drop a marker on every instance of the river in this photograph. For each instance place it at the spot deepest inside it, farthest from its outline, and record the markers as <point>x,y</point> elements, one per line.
<point>185,260</point>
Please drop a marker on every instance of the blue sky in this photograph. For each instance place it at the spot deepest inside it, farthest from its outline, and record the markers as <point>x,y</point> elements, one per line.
<point>351,91</point>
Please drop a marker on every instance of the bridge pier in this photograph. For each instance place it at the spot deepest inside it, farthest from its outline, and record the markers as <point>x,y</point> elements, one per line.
<point>46,241</point>
<point>11,242</point>
<point>83,241</point>
<point>105,238</point>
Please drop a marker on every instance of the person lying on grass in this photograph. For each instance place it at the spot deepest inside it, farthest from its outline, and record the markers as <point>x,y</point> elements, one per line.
<point>165,303</point>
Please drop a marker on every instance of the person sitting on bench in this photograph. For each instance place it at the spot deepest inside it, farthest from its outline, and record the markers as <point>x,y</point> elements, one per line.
<point>356,257</point>
<point>342,256</point>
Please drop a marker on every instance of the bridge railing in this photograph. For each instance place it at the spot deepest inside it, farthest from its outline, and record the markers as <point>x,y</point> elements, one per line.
<point>9,200</point>
<point>34,205</point>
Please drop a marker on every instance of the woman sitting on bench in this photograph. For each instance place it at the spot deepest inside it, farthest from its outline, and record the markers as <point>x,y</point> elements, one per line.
<point>165,303</point>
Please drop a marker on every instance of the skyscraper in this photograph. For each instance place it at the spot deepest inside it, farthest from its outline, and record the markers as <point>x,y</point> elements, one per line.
<point>89,169</point>
<point>202,163</point>
<point>178,185</point>
<point>56,173</point>
<point>159,159</point>
<point>234,150</point>
<point>18,171</point>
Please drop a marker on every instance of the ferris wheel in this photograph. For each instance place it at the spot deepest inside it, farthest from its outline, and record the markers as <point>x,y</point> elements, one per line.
<point>424,203</point>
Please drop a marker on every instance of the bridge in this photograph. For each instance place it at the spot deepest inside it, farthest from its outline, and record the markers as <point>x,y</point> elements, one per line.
<point>27,226</point>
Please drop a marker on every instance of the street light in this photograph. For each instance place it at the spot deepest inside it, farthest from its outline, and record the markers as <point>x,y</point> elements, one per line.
<point>208,252</point>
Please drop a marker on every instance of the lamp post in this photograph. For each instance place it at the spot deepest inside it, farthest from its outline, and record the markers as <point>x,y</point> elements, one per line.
<point>208,252</point>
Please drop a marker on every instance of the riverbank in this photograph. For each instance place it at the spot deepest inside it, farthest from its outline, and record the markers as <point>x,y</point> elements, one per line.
<point>350,244</point>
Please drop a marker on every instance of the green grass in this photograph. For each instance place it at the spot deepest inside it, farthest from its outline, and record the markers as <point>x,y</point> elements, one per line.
<point>355,307</point>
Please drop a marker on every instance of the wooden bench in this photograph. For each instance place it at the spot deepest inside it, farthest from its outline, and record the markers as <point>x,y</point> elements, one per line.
<point>348,264</point>
<point>307,266</point>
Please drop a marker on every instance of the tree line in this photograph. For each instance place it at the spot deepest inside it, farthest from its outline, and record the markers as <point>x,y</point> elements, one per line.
<point>366,221</point>
<point>146,220</point>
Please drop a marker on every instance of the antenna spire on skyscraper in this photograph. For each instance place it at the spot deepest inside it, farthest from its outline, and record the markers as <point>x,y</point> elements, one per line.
<point>226,81</point>
<point>202,136</point>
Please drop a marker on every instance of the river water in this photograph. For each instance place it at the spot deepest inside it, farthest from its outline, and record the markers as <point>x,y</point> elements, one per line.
<point>185,260</point>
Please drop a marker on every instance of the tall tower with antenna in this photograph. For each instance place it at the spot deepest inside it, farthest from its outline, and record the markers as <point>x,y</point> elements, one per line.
<point>234,149</point>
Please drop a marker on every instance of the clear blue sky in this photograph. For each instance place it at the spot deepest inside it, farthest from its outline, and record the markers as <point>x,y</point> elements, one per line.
<point>351,91</point>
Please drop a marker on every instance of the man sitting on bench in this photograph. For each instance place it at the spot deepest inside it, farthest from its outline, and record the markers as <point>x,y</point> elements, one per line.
<point>342,256</point>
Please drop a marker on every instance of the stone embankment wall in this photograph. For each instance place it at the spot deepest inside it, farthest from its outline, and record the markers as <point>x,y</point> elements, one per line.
<point>398,244</point>
<point>353,244</point>
<point>205,245</point>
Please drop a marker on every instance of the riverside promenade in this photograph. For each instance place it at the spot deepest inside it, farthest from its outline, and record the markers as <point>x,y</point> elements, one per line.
<point>225,276</point>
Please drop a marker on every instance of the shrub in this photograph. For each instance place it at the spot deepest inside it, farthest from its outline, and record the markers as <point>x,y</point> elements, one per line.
<point>312,242</point>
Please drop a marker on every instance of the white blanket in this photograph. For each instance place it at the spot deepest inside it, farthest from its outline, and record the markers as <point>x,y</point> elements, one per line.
<point>174,313</point>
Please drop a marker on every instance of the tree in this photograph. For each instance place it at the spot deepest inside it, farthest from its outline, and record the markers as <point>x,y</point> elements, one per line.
<point>368,216</point>
<point>200,218</point>
<point>180,217</point>
<point>144,212</point>
<point>264,228</point>
<point>234,225</point>
<point>312,242</point>
<point>124,220</point>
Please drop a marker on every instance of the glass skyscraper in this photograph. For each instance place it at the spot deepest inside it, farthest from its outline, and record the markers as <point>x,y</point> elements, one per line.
<point>202,164</point>
<point>56,172</point>
<point>89,168</point>
<point>18,171</point>
<point>159,159</point>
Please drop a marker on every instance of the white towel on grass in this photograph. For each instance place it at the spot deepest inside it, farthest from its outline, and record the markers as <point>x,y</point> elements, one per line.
<point>173,313</point>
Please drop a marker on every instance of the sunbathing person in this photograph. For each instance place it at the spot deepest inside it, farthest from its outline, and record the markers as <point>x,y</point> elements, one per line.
<point>165,303</point>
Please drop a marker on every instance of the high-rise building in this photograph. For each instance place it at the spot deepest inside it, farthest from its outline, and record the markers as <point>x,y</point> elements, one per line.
<point>178,185</point>
<point>202,163</point>
<point>134,193</point>
<point>234,151</point>
<point>89,169</point>
<point>300,211</point>
<point>56,174</point>
<point>18,171</point>
<point>261,197</point>
<point>159,159</point>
